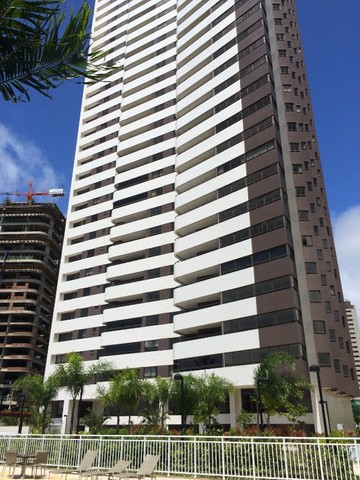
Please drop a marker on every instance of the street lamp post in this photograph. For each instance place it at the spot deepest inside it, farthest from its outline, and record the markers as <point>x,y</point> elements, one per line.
<point>179,377</point>
<point>316,369</point>
<point>21,398</point>
<point>81,387</point>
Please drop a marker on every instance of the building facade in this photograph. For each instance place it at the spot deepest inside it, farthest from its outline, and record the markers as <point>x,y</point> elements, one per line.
<point>30,248</point>
<point>198,235</point>
<point>354,329</point>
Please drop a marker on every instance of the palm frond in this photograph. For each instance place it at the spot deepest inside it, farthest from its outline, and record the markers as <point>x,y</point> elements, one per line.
<point>40,52</point>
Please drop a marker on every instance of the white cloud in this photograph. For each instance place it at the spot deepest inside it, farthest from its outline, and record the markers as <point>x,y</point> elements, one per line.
<point>346,228</point>
<point>21,160</point>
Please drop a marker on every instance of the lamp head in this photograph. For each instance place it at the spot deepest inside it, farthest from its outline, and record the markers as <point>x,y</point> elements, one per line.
<point>314,368</point>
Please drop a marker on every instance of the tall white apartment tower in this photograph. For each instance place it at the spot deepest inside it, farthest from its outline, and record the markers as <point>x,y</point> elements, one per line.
<point>198,236</point>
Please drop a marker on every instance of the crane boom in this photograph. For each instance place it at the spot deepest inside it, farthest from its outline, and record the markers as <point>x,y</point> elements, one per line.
<point>52,192</point>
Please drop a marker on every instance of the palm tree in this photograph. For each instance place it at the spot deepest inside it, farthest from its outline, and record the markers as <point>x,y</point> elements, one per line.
<point>126,389</point>
<point>213,392</point>
<point>111,397</point>
<point>94,421</point>
<point>74,374</point>
<point>159,394</point>
<point>39,51</point>
<point>279,390</point>
<point>41,392</point>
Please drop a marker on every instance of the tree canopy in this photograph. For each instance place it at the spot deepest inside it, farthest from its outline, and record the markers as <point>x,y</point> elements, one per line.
<point>42,46</point>
<point>40,393</point>
<point>279,389</point>
<point>74,374</point>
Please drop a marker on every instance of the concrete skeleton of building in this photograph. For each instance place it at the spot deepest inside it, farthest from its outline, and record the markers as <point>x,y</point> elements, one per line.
<point>30,248</point>
<point>198,236</point>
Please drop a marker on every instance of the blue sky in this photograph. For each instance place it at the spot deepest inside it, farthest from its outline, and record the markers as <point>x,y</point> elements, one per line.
<point>37,140</point>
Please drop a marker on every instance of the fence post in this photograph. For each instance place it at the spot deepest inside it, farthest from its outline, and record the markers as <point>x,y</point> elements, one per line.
<point>253,457</point>
<point>223,457</point>
<point>169,455</point>
<point>285,459</point>
<point>320,460</point>
<point>195,457</point>
<point>79,447</point>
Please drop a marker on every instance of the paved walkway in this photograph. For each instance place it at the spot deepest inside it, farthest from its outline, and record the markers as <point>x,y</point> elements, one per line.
<point>76,477</point>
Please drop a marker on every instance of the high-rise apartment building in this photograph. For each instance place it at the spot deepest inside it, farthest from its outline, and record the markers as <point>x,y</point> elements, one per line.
<point>30,248</point>
<point>198,234</point>
<point>354,329</point>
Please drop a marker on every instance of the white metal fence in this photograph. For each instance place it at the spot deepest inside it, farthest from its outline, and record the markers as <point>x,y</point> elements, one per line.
<point>258,458</point>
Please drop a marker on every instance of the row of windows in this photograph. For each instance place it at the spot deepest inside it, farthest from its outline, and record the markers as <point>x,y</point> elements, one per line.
<point>268,319</point>
<point>258,258</point>
<point>249,155</point>
<point>240,19</point>
<point>261,288</point>
<point>257,202</point>
<point>243,113</point>
<point>247,357</point>
<point>233,8</point>
<point>250,179</point>
<point>254,230</point>
<point>249,132</point>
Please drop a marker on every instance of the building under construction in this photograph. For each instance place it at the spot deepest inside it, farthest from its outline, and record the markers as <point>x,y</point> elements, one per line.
<point>30,247</point>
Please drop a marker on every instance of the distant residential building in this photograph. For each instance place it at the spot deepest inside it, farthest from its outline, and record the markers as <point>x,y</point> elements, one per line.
<point>30,247</point>
<point>354,329</point>
<point>198,234</point>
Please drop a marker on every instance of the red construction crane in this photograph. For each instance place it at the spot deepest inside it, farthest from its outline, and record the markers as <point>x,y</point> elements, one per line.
<point>53,192</point>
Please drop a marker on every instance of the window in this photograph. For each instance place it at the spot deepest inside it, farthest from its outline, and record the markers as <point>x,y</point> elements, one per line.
<point>324,359</point>
<point>341,342</point>
<point>327,305</point>
<point>291,126</point>
<point>303,215</point>
<point>153,296</point>
<point>150,372</point>
<point>286,87</point>
<point>282,53</point>
<point>332,290</point>
<point>319,254</point>
<point>152,320</point>
<point>328,266</point>
<point>310,267</point>
<point>307,240</point>
<point>315,296</point>
<point>154,273</point>
<point>151,345</point>
<point>297,168</point>
<point>295,147</point>
<point>345,370</point>
<point>337,366</point>
<point>289,107</point>
<point>332,335</point>
<point>300,191</point>
<point>323,280</point>
<point>319,326</point>
<point>284,70</point>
